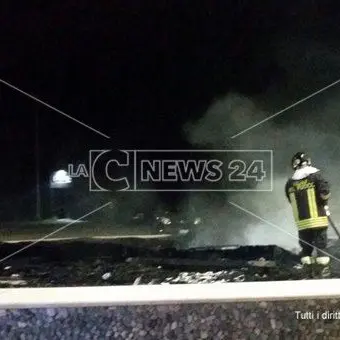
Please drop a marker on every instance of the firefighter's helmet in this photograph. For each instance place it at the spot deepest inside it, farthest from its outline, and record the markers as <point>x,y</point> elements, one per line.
<point>300,159</point>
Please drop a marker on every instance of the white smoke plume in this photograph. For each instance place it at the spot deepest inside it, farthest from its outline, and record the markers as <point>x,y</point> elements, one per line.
<point>315,128</point>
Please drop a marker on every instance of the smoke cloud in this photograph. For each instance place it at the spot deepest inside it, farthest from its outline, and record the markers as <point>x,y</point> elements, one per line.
<point>313,126</point>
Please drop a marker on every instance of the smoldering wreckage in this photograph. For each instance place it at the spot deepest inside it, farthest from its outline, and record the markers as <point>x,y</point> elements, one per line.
<point>133,261</point>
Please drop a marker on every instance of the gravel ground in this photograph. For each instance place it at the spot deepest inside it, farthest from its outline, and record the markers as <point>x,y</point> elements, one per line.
<point>261,320</point>
<point>85,263</point>
<point>105,263</point>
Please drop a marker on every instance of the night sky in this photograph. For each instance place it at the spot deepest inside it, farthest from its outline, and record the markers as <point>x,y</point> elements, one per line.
<point>134,70</point>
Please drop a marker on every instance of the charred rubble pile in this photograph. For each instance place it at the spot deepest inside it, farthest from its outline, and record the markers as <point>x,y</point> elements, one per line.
<point>136,261</point>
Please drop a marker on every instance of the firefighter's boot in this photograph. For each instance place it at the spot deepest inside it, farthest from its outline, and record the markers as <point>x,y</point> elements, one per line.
<point>307,265</point>
<point>323,263</point>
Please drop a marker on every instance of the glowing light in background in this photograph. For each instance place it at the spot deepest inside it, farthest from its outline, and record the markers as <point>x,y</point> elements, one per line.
<point>60,179</point>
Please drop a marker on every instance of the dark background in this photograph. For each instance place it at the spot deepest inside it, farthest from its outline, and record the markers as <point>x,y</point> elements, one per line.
<point>134,70</point>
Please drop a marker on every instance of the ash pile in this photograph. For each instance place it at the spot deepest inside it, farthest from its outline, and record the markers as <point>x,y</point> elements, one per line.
<point>132,262</point>
<point>129,260</point>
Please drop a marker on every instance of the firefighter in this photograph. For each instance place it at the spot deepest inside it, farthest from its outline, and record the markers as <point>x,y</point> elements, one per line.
<point>308,193</point>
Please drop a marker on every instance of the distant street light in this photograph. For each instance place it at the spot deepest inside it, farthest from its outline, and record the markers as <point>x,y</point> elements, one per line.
<point>60,179</point>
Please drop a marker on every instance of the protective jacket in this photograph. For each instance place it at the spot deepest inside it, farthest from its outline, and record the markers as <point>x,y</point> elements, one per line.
<point>308,192</point>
